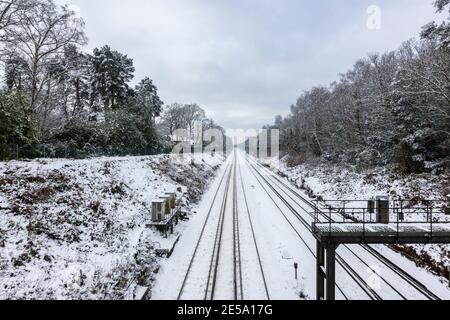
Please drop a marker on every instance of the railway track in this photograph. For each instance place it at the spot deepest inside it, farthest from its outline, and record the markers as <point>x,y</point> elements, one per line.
<point>392,266</point>
<point>214,265</point>
<point>237,261</point>
<point>261,268</point>
<point>227,173</point>
<point>412,282</point>
<point>231,262</point>
<point>226,228</point>
<point>358,280</point>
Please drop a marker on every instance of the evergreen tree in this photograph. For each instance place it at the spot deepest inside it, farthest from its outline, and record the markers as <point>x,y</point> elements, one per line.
<point>440,33</point>
<point>13,125</point>
<point>17,74</point>
<point>147,106</point>
<point>112,71</point>
<point>147,99</point>
<point>75,79</point>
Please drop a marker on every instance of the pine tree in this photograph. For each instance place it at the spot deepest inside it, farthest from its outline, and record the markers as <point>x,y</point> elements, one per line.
<point>148,102</point>
<point>17,74</point>
<point>440,33</point>
<point>112,71</point>
<point>75,79</point>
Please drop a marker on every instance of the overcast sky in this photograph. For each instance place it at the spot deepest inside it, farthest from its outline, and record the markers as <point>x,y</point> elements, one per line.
<point>245,61</point>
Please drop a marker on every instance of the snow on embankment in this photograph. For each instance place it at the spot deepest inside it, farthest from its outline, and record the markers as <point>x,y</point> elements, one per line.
<point>76,229</point>
<point>332,182</point>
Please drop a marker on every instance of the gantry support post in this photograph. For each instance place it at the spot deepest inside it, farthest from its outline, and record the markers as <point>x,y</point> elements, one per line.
<point>331,272</point>
<point>326,271</point>
<point>320,273</point>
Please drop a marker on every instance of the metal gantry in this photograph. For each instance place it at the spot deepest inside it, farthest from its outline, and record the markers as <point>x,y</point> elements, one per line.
<point>344,224</point>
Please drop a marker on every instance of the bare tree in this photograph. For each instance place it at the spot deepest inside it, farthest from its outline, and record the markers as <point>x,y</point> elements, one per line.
<point>184,117</point>
<point>40,36</point>
<point>192,113</point>
<point>9,12</point>
<point>172,118</point>
<point>388,107</point>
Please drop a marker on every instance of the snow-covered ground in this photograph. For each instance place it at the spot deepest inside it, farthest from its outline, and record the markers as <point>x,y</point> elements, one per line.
<point>76,229</point>
<point>332,182</point>
<point>282,240</point>
<point>278,247</point>
<point>369,263</point>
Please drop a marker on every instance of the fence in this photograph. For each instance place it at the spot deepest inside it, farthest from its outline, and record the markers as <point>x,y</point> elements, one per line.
<point>17,152</point>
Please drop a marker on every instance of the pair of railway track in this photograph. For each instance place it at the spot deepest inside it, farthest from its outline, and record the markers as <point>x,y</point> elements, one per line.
<point>371,293</point>
<point>276,189</point>
<point>217,259</point>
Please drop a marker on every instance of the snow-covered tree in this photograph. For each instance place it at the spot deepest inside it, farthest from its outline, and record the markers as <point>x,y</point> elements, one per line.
<point>172,119</point>
<point>191,113</point>
<point>75,82</point>
<point>39,37</point>
<point>112,71</point>
<point>178,116</point>
<point>440,33</point>
<point>10,11</point>
<point>389,108</point>
<point>17,74</point>
<point>74,103</point>
<point>422,108</point>
<point>147,99</point>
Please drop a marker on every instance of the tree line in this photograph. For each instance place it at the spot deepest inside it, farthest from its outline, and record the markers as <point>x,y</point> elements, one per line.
<point>57,100</point>
<point>389,108</point>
